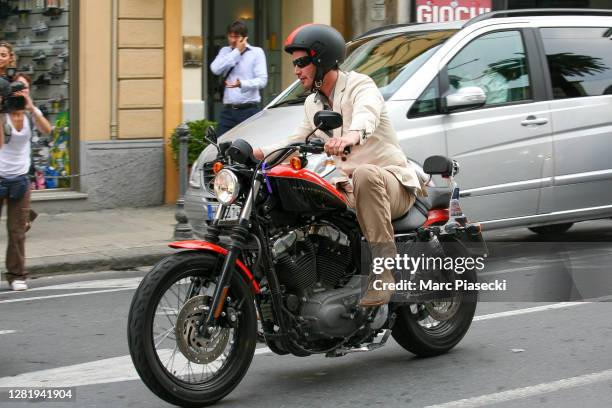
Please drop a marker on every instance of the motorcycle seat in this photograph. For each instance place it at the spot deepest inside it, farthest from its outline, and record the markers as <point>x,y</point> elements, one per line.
<point>437,198</point>
<point>409,222</point>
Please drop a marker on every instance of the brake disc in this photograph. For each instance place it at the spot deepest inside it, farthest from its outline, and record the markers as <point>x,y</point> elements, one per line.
<point>444,309</point>
<point>194,347</point>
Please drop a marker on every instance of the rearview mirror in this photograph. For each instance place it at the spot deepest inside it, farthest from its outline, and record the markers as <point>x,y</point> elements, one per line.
<point>240,151</point>
<point>211,135</point>
<point>327,120</point>
<point>466,98</point>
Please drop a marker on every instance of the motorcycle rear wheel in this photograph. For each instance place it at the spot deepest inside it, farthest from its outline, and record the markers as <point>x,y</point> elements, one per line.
<point>231,351</point>
<point>417,330</point>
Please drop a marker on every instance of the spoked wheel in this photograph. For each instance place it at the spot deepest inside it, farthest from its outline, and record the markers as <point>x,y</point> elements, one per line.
<point>171,356</point>
<point>433,328</point>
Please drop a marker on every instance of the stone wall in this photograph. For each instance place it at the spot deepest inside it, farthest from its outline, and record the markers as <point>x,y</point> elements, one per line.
<point>126,173</point>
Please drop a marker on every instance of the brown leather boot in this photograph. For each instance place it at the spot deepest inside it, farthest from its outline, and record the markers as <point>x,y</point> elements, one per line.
<point>375,297</point>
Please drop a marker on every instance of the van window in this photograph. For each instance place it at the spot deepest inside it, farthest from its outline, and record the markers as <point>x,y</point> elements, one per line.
<point>428,103</point>
<point>579,60</point>
<point>391,59</point>
<point>388,59</point>
<point>495,62</point>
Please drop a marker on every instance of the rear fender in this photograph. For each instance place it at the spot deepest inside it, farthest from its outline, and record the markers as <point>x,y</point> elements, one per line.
<point>436,217</point>
<point>196,245</point>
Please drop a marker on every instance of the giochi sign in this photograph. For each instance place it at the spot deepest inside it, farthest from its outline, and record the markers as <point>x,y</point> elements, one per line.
<point>437,11</point>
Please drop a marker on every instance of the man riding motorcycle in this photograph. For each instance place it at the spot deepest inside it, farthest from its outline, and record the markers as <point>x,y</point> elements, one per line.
<point>287,269</point>
<point>379,182</point>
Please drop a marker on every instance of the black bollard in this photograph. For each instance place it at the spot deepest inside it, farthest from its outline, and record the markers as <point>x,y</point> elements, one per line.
<point>182,229</point>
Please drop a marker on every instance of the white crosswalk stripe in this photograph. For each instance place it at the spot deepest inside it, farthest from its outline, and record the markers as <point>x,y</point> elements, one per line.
<point>525,392</point>
<point>120,369</point>
<point>109,370</point>
<point>517,312</point>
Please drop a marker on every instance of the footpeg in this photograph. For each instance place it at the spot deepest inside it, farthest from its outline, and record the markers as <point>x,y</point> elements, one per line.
<point>379,341</point>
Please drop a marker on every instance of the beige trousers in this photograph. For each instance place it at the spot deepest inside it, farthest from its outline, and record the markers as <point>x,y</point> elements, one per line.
<point>378,197</point>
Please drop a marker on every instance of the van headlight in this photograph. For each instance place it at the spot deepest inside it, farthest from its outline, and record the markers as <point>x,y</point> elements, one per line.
<point>226,187</point>
<point>195,179</point>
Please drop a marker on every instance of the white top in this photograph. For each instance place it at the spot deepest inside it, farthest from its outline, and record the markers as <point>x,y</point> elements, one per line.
<point>15,155</point>
<point>250,67</point>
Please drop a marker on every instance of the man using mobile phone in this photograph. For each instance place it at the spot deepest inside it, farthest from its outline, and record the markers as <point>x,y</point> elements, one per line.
<point>242,69</point>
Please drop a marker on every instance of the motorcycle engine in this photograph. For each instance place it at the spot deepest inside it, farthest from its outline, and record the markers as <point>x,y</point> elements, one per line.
<point>315,265</point>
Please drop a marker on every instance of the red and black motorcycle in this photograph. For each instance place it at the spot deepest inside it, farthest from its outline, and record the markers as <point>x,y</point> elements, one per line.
<point>286,272</point>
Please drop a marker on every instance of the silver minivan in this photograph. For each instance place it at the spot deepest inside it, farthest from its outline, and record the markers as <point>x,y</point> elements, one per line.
<point>523,100</point>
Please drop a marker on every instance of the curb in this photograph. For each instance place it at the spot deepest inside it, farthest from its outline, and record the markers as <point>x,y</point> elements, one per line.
<point>121,259</point>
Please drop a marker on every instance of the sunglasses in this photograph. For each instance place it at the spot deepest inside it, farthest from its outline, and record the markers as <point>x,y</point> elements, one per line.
<point>302,61</point>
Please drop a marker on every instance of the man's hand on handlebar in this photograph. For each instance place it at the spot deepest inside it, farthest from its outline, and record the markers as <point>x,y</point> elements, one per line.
<point>337,146</point>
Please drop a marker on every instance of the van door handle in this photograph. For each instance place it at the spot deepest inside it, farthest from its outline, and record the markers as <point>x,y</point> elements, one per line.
<point>532,120</point>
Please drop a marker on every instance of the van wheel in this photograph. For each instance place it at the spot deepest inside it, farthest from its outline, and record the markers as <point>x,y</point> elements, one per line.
<point>552,229</point>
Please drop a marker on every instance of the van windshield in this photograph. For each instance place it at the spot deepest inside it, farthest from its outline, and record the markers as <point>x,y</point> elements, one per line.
<point>388,59</point>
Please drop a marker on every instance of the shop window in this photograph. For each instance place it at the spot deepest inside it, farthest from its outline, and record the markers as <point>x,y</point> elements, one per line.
<point>38,30</point>
<point>579,60</point>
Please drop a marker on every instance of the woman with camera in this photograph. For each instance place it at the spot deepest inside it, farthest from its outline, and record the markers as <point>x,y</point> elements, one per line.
<point>7,58</point>
<point>15,160</point>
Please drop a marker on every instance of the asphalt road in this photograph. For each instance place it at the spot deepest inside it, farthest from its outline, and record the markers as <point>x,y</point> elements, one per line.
<point>71,331</point>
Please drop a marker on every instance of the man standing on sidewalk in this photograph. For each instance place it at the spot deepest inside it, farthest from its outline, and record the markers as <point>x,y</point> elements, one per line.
<point>244,73</point>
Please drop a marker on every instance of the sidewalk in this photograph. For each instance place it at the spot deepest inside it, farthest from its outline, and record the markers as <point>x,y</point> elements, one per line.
<point>97,240</point>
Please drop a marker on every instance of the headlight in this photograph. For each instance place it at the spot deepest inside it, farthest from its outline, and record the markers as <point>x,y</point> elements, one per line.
<point>195,181</point>
<point>226,187</point>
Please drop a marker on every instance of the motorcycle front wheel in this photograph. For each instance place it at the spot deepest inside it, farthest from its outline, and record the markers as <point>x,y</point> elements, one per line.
<point>173,360</point>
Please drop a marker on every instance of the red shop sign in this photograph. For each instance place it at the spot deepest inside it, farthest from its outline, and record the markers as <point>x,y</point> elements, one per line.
<point>438,11</point>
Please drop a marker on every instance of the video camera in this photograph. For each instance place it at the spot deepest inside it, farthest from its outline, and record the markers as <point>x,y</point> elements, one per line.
<point>8,89</point>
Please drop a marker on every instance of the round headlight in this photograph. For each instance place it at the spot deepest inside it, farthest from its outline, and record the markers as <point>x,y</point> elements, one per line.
<point>226,187</point>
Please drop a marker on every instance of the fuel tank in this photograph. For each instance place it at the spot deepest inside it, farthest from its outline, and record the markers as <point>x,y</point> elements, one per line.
<point>304,191</point>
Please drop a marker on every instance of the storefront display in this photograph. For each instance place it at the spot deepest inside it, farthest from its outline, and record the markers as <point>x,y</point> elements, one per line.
<point>39,32</point>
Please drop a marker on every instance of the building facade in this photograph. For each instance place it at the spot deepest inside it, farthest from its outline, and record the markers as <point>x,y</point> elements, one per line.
<point>114,83</point>
<point>116,77</point>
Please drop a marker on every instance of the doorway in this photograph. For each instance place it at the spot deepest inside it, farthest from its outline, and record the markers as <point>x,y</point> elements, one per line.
<point>263,20</point>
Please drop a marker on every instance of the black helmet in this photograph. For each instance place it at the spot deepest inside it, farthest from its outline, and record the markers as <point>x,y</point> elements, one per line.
<point>323,43</point>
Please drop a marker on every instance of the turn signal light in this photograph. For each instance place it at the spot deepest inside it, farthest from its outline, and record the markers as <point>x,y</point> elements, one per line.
<point>217,167</point>
<point>296,163</point>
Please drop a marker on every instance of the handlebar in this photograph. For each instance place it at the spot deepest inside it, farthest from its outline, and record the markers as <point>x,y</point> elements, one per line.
<point>316,147</point>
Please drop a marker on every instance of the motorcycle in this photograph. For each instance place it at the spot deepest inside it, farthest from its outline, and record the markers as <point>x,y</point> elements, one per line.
<point>285,271</point>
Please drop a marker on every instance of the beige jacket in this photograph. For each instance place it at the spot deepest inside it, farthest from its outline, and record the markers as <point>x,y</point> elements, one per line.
<point>362,106</point>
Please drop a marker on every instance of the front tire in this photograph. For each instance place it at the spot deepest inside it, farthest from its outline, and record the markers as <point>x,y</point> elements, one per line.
<point>232,362</point>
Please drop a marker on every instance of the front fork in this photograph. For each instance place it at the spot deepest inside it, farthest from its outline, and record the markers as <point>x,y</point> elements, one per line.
<point>239,237</point>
